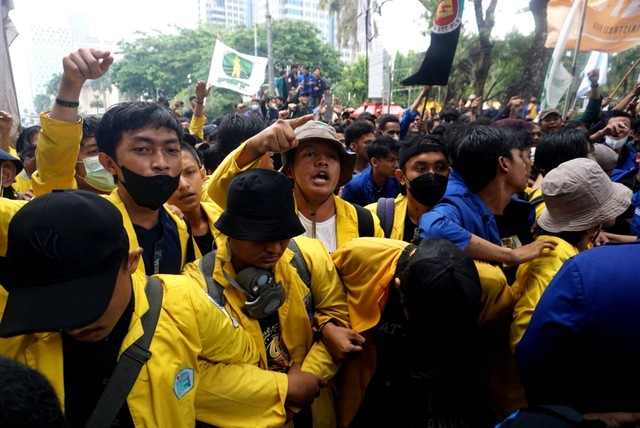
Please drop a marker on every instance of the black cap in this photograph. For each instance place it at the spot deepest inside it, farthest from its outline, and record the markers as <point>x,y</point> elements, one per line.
<point>64,253</point>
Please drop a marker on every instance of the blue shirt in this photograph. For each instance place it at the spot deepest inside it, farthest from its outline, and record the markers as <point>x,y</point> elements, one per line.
<point>360,189</point>
<point>582,346</point>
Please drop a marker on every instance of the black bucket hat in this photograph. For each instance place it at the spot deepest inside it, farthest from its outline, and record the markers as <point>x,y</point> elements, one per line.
<point>260,207</point>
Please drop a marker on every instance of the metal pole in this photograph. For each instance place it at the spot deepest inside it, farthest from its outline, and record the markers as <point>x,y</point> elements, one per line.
<point>270,51</point>
<point>575,58</point>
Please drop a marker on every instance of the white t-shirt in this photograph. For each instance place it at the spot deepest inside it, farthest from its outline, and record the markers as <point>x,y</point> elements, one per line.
<point>325,231</point>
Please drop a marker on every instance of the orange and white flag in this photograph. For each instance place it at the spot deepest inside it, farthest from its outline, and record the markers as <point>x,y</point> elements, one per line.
<point>610,25</point>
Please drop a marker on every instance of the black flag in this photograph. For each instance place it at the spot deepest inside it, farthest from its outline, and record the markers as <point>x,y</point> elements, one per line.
<point>436,66</point>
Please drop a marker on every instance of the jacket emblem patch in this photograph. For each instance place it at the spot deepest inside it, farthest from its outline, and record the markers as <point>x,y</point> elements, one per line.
<point>183,382</point>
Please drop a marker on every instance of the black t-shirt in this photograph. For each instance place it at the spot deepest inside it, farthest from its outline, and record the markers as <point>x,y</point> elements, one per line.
<point>162,239</point>
<point>87,369</point>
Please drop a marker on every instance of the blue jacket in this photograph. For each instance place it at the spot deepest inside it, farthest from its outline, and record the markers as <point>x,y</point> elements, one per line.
<point>456,218</point>
<point>626,161</point>
<point>360,189</point>
<point>582,346</point>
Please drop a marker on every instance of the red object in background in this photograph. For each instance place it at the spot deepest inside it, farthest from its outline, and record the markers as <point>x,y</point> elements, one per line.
<point>378,109</point>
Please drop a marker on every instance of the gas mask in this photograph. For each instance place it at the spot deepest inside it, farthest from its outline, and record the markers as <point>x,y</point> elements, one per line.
<point>264,295</point>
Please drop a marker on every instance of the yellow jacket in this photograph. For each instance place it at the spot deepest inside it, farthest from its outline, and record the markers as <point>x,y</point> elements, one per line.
<point>8,208</point>
<point>346,215</point>
<point>329,302</point>
<point>190,331</point>
<point>534,277</point>
<point>539,206</point>
<point>399,214</point>
<point>58,147</point>
<point>23,182</point>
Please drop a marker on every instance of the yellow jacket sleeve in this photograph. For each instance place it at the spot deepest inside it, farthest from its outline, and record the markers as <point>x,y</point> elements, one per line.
<point>58,147</point>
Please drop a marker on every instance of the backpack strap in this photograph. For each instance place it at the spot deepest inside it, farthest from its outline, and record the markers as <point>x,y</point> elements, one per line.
<point>299,263</point>
<point>191,251</point>
<point>365,221</point>
<point>131,361</point>
<point>214,289</point>
<point>385,211</point>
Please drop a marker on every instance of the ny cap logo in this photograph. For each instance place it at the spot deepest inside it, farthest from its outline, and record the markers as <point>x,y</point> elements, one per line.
<point>46,244</point>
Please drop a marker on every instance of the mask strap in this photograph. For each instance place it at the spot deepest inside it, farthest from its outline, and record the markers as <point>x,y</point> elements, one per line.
<point>1,179</point>
<point>224,272</point>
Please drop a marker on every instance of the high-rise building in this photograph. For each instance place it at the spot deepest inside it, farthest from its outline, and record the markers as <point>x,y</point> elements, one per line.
<point>230,13</point>
<point>298,10</point>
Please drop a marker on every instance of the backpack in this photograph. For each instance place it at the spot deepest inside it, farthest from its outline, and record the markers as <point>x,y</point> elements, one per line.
<point>385,211</point>
<point>365,221</point>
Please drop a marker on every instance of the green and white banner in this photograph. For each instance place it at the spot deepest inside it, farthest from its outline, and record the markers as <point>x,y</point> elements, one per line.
<point>233,70</point>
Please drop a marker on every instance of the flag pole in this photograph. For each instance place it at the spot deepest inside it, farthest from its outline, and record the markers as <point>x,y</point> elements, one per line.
<point>626,76</point>
<point>575,56</point>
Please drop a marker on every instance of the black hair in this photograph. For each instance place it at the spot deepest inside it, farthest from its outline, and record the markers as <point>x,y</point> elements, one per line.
<point>195,153</point>
<point>192,97</point>
<point>234,129</point>
<point>450,114</point>
<point>386,118</point>
<point>90,126</point>
<point>339,128</point>
<point>28,399</point>
<point>25,137</point>
<point>478,151</point>
<point>381,147</point>
<point>130,116</point>
<point>561,146</point>
<point>356,130</point>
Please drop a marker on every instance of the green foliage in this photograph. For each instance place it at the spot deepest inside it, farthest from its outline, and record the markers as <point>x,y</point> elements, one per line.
<point>42,102</point>
<point>171,65</point>
<point>293,42</point>
<point>53,84</point>
<point>352,87</point>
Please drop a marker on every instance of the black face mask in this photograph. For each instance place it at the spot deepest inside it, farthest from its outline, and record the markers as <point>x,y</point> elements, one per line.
<point>149,192</point>
<point>428,188</point>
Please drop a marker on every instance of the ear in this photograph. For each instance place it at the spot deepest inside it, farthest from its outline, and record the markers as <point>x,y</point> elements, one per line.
<point>134,259</point>
<point>374,162</point>
<point>401,177</point>
<point>8,173</point>
<point>203,172</point>
<point>352,146</point>
<point>503,164</point>
<point>288,169</point>
<point>108,163</point>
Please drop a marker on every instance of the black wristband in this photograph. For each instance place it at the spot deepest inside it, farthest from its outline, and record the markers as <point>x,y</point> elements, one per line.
<point>594,85</point>
<point>64,103</point>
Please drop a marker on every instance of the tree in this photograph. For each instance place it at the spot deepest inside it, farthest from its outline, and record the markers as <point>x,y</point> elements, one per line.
<point>42,102</point>
<point>161,64</point>
<point>352,88</point>
<point>293,42</point>
<point>345,13</point>
<point>53,84</point>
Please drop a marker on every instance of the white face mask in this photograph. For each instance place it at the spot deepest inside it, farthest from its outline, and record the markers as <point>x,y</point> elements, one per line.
<point>396,137</point>
<point>613,143</point>
<point>97,177</point>
<point>255,107</point>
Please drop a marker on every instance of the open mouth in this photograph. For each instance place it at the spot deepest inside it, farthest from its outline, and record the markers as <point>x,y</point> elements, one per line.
<point>321,177</point>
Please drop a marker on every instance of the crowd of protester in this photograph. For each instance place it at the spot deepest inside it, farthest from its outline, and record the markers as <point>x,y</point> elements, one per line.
<point>294,263</point>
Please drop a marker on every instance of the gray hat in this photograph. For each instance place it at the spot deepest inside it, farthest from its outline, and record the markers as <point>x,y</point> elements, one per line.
<point>579,195</point>
<point>606,156</point>
<point>547,112</point>
<point>313,131</point>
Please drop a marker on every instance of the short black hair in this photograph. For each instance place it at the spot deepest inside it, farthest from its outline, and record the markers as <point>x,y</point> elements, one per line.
<point>560,146</point>
<point>356,130</point>
<point>478,151</point>
<point>381,147</point>
<point>130,116</point>
<point>386,118</point>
